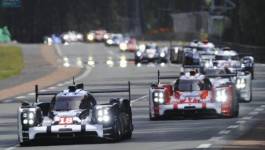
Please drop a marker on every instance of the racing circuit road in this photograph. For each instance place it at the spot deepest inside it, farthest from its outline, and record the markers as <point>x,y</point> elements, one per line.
<point>181,133</point>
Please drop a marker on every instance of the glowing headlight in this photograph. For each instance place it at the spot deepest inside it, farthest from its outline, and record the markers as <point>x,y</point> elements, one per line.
<point>100,112</point>
<point>25,121</point>
<point>106,118</point>
<point>25,115</point>
<point>207,64</point>
<point>79,36</point>
<point>31,122</point>
<point>65,37</point>
<point>90,37</point>
<point>123,46</point>
<point>106,36</point>
<point>109,42</point>
<point>103,115</point>
<point>138,54</point>
<point>161,100</point>
<point>221,95</point>
<point>162,54</point>
<point>159,97</point>
<point>30,115</point>
<point>240,83</point>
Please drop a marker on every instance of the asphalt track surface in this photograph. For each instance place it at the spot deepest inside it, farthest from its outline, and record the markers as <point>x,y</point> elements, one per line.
<point>180,133</point>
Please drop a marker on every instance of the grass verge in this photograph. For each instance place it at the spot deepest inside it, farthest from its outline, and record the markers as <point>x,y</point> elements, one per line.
<point>11,61</point>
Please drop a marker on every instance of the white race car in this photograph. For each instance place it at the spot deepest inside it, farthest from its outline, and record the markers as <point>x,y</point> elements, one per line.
<point>242,81</point>
<point>193,93</point>
<point>74,113</point>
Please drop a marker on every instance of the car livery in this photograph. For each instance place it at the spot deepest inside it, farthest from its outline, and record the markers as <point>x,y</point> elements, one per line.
<point>74,112</point>
<point>193,93</point>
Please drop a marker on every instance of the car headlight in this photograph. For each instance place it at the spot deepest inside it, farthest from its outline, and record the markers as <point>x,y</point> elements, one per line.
<point>138,54</point>
<point>65,37</point>
<point>162,54</point>
<point>106,36</point>
<point>221,95</point>
<point>103,115</point>
<point>90,37</point>
<point>28,118</point>
<point>159,97</point>
<point>123,46</point>
<point>79,36</point>
<point>109,41</point>
<point>240,83</point>
<point>207,64</point>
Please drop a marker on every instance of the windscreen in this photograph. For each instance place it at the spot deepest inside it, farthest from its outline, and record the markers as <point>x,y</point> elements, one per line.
<point>66,103</point>
<point>188,85</point>
<point>220,57</point>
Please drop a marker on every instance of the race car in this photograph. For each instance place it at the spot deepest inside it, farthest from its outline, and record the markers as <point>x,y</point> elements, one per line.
<point>72,36</point>
<point>128,44</point>
<point>114,40</point>
<point>202,56</point>
<point>75,113</point>
<point>192,93</point>
<point>97,35</point>
<point>53,39</point>
<point>176,54</point>
<point>231,60</point>
<point>241,79</point>
<point>151,53</point>
<point>247,64</point>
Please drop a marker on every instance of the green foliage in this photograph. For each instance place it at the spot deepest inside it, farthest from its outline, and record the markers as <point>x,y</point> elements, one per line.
<point>11,61</point>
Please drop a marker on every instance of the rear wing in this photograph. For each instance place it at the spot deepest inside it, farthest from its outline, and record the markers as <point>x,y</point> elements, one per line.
<point>81,86</point>
<point>222,75</point>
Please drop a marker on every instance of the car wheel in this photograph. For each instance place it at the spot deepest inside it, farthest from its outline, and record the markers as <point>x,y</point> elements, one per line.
<point>117,132</point>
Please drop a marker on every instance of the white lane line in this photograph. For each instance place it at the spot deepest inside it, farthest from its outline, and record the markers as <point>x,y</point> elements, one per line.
<point>51,88</point>
<point>259,109</point>
<point>247,118</point>
<point>84,74</point>
<point>8,101</point>
<point>241,121</point>
<point>140,98</point>
<point>31,94</point>
<point>204,146</point>
<point>232,126</point>
<point>60,84</point>
<point>59,51</point>
<point>253,113</point>
<point>262,106</point>
<point>216,138</point>
<point>224,132</point>
<point>11,148</point>
<point>20,97</point>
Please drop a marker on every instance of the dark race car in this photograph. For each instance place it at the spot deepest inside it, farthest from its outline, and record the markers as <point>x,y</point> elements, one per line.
<point>151,53</point>
<point>75,113</point>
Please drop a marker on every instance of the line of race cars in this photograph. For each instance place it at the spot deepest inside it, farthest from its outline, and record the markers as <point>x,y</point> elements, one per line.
<point>125,42</point>
<point>212,81</point>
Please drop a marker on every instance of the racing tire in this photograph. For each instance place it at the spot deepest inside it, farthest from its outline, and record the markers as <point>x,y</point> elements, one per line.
<point>116,130</point>
<point>25,143</point>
